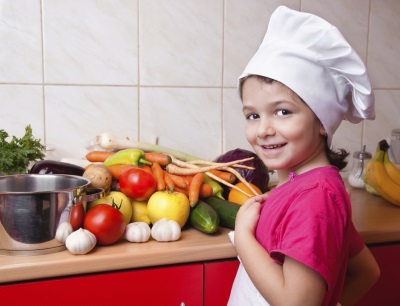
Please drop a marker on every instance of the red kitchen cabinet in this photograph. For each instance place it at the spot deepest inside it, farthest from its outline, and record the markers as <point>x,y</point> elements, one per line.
<point>219,277</point>
<point>218,280</point>
<point>195,284</point>
<point>386,291</point>
<point>172,285</point>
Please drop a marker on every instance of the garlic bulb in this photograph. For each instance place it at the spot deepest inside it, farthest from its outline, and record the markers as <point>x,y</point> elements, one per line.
<point>137,232</point>
<point>166,230</point>
<point>63,231</point>
<point>80,242</point>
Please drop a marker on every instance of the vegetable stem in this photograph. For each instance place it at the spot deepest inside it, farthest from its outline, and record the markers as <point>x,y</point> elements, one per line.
<point>144,162</point>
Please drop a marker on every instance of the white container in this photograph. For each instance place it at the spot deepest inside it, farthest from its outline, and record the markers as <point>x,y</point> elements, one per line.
<point>395,146</point>
<point>356,176</point>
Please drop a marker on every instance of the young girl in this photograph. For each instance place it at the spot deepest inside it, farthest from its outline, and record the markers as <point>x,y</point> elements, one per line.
<point>294,244</point>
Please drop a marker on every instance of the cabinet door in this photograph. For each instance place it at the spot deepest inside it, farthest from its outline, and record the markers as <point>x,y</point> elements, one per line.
<point>170,285</point>
<point>386,291</point>
<point>218,280</point>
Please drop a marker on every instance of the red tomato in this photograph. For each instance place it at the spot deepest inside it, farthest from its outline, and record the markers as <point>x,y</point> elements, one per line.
<point>137,184</point>
<point>106,223</point>
<point>77,215</point>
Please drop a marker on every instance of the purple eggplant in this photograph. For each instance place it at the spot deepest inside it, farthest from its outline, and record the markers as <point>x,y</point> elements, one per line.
<point>56,167</point>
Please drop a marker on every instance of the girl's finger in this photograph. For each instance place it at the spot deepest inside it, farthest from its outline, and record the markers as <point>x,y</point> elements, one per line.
<point>259,198</point>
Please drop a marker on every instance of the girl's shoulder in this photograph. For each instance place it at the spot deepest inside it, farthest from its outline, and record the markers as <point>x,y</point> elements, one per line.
<point>318,177</point>
<point>316,183</point>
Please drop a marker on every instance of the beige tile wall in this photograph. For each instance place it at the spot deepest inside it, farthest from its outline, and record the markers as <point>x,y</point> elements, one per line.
<point>166,70</point>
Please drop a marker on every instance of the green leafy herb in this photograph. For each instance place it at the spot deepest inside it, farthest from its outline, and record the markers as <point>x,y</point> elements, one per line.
<point>16,154</point>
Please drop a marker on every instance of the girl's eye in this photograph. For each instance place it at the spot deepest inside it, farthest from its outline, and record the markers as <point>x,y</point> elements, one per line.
<point>283,112</point>
<point>251,116</point>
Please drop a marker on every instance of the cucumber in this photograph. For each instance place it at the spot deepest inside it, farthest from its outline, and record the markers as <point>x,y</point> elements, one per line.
<point>204,218</point>
<point>226,211</point>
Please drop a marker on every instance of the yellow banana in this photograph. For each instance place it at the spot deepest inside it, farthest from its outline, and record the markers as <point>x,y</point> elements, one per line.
<point>392,171</point>
<point>368,187</point>
<point>379,179</point>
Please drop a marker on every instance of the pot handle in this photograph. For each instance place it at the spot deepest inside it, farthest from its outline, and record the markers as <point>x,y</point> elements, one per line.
<point>91,195</point>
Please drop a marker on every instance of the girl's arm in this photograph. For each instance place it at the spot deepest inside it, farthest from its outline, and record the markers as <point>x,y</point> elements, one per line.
<point>362,273</point>
<point>292,283</point>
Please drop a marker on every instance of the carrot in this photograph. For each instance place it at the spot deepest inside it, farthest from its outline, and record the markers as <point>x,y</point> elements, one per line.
<point>158,175</point>
<point>206,191</point>
<point>185,191</point>
<point>157,157</point>
<point>169,183</point>
<point>179,181</point>
<point>224,175</point>
<point>194,188</point>
<point>116,170</point>
<point>188,179</point>
<point>98,156</point>
<point>146,168</point>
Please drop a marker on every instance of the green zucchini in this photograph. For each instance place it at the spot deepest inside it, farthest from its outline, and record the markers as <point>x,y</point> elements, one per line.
<point>226,211</point>
<point>204,218</point>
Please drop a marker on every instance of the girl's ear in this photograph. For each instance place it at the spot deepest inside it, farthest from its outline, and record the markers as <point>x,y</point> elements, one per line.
<point>322,131</point>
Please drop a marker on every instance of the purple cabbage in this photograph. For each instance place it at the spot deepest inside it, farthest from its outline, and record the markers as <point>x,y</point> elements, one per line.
<point>259,176</point>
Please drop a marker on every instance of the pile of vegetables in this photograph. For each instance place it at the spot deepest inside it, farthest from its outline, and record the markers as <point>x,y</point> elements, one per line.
<point>133,172</point>
<point>188,174</point>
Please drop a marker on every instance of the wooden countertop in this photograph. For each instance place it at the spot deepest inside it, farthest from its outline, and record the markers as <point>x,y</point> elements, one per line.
<point>377,221</point>
<point>191,247</point>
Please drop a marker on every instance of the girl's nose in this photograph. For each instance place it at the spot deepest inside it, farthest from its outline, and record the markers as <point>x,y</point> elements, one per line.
<point>265,129</point>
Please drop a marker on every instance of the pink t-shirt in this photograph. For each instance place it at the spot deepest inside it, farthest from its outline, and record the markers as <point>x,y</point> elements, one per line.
<point>309,220</point>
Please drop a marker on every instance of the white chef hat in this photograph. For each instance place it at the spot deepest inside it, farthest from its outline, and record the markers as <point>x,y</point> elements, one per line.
<point>312,58</point>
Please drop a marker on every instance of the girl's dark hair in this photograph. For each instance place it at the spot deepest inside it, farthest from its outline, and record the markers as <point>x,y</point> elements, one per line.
<point>337,158</point>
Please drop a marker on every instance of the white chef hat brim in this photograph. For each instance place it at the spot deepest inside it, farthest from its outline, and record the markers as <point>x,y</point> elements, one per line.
<point>312,58</point>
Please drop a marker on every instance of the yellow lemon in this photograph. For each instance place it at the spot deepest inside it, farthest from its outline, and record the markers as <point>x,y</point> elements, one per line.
<point>118,200</point>
<point>139,212</point>
<point>171,205</point>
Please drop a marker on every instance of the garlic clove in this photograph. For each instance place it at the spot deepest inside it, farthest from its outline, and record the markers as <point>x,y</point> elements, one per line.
<point>80,242</point>
<point>63,231</point>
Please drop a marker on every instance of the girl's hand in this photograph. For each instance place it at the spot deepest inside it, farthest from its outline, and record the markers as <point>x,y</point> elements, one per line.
<point>258,198</point>
<point>247,216</point>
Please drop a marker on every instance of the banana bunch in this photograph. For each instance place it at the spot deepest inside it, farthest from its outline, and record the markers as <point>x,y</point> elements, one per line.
<point>382,175</point>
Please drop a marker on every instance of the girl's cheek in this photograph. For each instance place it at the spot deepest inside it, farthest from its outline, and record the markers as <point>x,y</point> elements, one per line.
<point>250,134</point>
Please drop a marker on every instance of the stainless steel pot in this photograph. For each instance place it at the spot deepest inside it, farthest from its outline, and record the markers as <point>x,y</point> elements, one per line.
<point>32,206</point>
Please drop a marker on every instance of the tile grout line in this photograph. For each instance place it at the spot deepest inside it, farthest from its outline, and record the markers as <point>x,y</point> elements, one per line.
<point>43,72</point>
<point>138,68</point>
<point>222,78</point>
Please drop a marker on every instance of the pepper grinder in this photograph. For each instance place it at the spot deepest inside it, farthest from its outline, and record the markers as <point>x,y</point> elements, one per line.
<point>360,160</point>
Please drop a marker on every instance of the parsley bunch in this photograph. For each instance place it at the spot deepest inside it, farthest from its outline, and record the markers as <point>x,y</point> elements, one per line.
<point>16,154</point>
